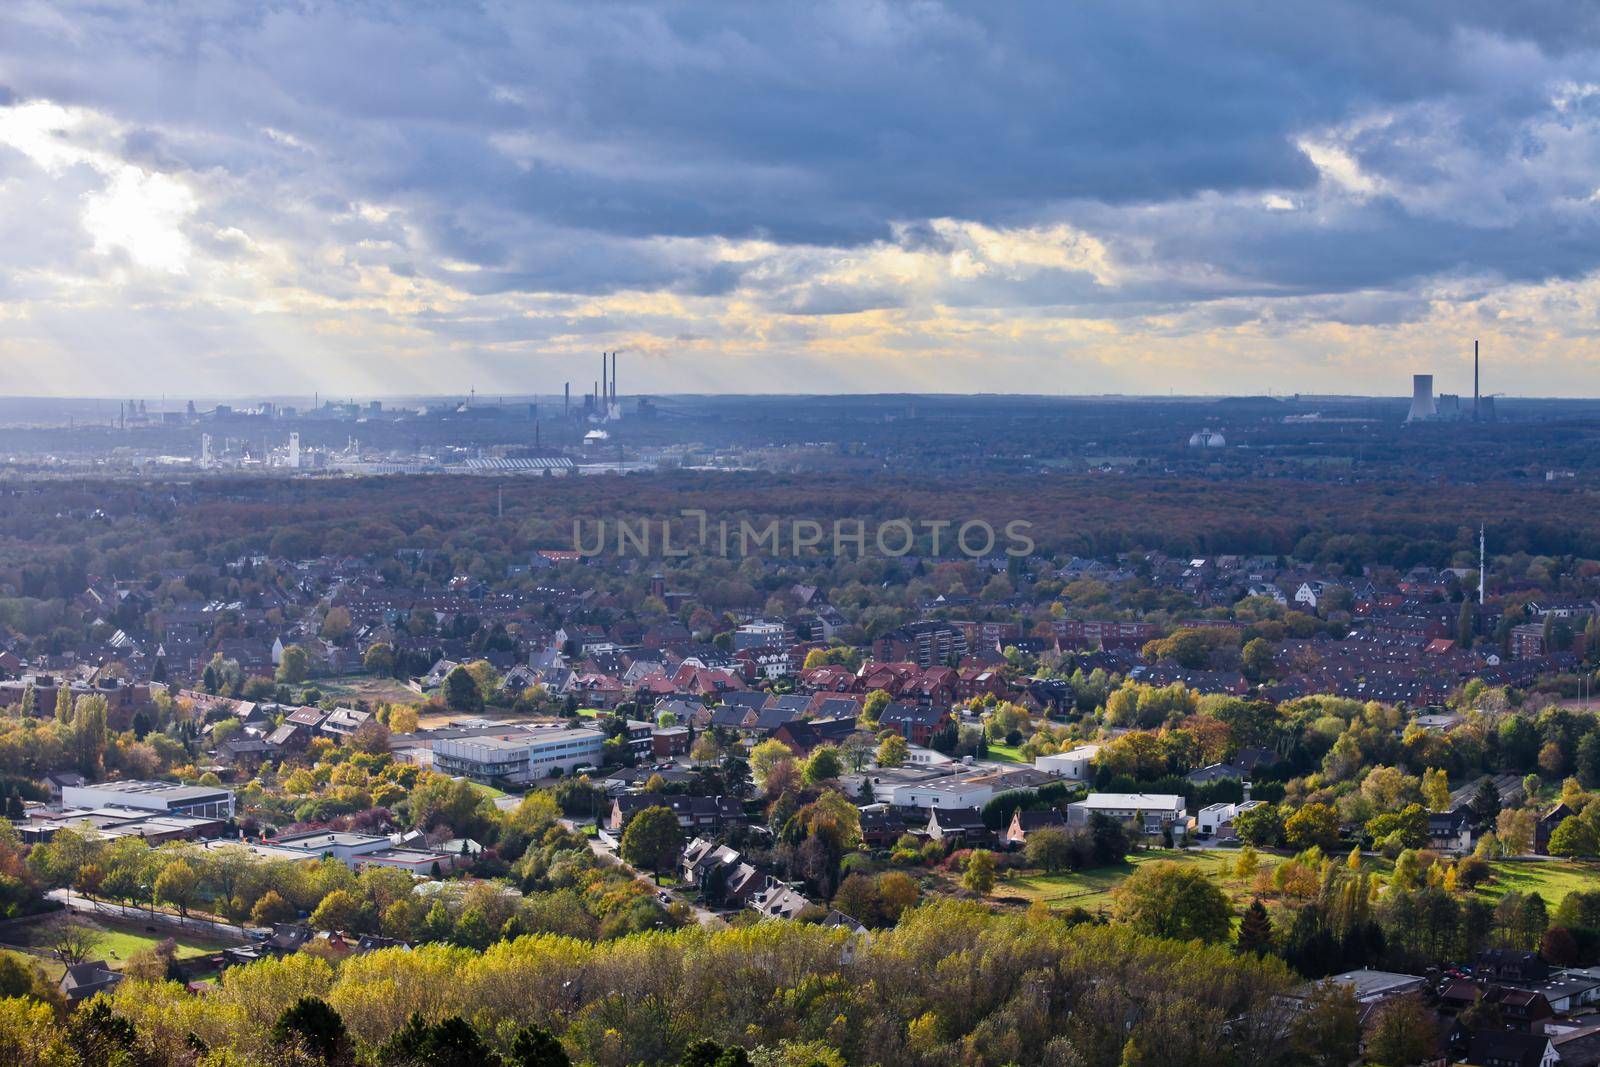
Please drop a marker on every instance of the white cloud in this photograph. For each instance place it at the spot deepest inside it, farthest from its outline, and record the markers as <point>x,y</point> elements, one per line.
<point>134,211</point>
<point>141,214</point>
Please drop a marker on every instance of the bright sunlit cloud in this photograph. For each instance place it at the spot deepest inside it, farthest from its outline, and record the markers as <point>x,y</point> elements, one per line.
<point>945,196</point>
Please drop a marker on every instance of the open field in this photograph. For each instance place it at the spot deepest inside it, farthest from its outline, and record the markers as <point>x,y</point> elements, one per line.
<point>1552,880</point>
<point>115,941</point>
<point>367,687</point>
<point>1004,753</point>
<point>1091,889</point>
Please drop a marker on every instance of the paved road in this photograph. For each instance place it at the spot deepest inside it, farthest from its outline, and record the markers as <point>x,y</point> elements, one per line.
<point>227,931</point>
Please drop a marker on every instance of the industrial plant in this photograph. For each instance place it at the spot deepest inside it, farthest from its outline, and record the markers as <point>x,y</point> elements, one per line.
<point>1447,407</point>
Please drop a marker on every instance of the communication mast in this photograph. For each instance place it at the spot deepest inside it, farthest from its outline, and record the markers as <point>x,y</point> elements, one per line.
<point>1481,558</point>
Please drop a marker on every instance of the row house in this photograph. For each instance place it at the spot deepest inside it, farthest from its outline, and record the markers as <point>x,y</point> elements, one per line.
<point>913,722</point>
<point>976,682</point>
<point>923,643</point>
<point>763,664</point>
<point>1091,634</point>
<point>697,814</point>
<point>830,678</point>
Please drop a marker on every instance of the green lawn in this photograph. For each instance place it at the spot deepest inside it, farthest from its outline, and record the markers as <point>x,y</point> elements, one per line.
<point>117,943</point>
<point>1091,889</point>
<point>1005,753</point>
<point>118,940</point>
<point>487,790</point>
<point>1552,880</point>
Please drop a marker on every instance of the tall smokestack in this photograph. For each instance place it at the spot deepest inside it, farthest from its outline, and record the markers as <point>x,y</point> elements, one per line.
<point>605,379</point>
<point>566,399</point>
<point>614,356</point>
<point>1474,379</point>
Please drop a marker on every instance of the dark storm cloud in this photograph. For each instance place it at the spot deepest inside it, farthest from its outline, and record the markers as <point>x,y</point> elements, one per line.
<point>548,144</point>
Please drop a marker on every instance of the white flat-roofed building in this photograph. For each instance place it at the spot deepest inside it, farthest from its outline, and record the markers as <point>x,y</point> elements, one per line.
<point>518,757</point>
<point>344,847</point>
<point>353,850</point>
<point>973,789</point>
<point>1075,764</point>
<point>1213,817</point>
<point>166,798</point>
<point>959,792</point>
<point>1152,811</point>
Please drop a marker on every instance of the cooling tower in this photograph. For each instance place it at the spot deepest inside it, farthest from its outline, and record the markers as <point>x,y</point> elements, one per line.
<point>1421,398</point>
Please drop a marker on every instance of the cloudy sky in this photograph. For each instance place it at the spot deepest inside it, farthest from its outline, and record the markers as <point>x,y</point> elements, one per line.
<point>201,197</point>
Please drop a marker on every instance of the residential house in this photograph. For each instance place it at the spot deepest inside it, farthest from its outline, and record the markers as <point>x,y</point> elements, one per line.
<point>915,723</point>
<point>1149,812</point>
<point>804,736</point>
<point>343,722</point>
<point>696,814</point>
<point>1510,1048</point>
<point>83,980</point>
<point>1024,823</point>
<point>778,900</point>
<point>1452,831</point>
<point>964,824</point>
<point>1075,765</point>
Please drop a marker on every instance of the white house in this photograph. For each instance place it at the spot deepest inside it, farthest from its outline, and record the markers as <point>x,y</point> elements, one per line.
<point>1150,812</point>
<point>1310,593</point>
<point>1214,817</point>
<point>1074,764</point>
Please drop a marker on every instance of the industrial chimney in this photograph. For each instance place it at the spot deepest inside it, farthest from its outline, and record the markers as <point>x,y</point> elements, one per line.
<point>1422,398</point>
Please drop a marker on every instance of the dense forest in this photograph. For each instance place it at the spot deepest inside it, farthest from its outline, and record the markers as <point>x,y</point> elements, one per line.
<point>951,984</point>
<point>53,533</point>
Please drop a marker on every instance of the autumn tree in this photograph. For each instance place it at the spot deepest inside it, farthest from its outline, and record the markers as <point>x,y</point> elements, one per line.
<point>768,756</point>
<point>1173,900</point>
<point>178,884</point>
<point>1573,837</point>
<point>978,875</point>
<point>893,751</point>
<point>461,692</point>
<point>1328,1032</point>
<point>71,941</point>
<point>1514,829</point>
<point>378,659</point>
<point>653,839</point>
<point>335,625</point>
<point>824,765</point>
<point>1436,789</point>
<point>295,665</point>
<point>1313,824</point>
<point>1256,660</point>
<point>1049,848</point>
<point>1403,1032</point>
